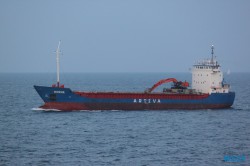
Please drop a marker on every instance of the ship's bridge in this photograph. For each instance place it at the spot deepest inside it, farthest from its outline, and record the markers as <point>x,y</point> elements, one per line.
<point>207,76</point>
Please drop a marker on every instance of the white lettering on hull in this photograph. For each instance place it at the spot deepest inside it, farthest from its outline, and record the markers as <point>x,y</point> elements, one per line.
<point>147,101</point>
<point>58,91</point>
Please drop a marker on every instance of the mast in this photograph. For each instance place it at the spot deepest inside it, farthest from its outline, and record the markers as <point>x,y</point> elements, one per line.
<point>57,64</point>
<point>212,47</point>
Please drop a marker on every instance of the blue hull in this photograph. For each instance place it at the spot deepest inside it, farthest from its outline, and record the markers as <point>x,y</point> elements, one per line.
<point>67,100</point>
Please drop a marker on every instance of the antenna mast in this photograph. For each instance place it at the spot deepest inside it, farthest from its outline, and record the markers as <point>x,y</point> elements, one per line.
<point>57,63</point>
<point>212,47</point>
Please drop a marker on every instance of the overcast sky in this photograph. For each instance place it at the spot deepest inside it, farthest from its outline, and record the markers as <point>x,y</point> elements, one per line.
<point>123,35</point>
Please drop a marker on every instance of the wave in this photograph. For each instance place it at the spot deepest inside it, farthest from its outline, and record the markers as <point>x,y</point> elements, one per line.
<point>46,110</point>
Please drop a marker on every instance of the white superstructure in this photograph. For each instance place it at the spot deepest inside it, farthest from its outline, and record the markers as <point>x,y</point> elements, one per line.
<point>207,76</point>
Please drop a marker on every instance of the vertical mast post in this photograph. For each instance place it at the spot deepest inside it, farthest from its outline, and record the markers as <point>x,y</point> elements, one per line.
<point>57,64</point>
<point>212,47</point>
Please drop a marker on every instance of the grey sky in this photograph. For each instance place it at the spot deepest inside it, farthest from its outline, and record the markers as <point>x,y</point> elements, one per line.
<point>123,36</point>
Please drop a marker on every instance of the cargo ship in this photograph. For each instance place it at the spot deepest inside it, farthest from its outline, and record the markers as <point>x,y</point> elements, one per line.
<point>207,91</point>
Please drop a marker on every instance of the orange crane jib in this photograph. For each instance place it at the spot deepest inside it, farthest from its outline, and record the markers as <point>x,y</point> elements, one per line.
<point>183,84</point>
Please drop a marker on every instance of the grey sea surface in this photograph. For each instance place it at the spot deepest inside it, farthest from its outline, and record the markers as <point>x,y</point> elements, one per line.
<point>29,136</point>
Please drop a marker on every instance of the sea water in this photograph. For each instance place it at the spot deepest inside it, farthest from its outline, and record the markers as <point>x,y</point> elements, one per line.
<point>31,136</point>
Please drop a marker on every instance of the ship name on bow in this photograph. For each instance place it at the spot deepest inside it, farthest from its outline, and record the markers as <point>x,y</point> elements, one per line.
<point>58,91</point>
